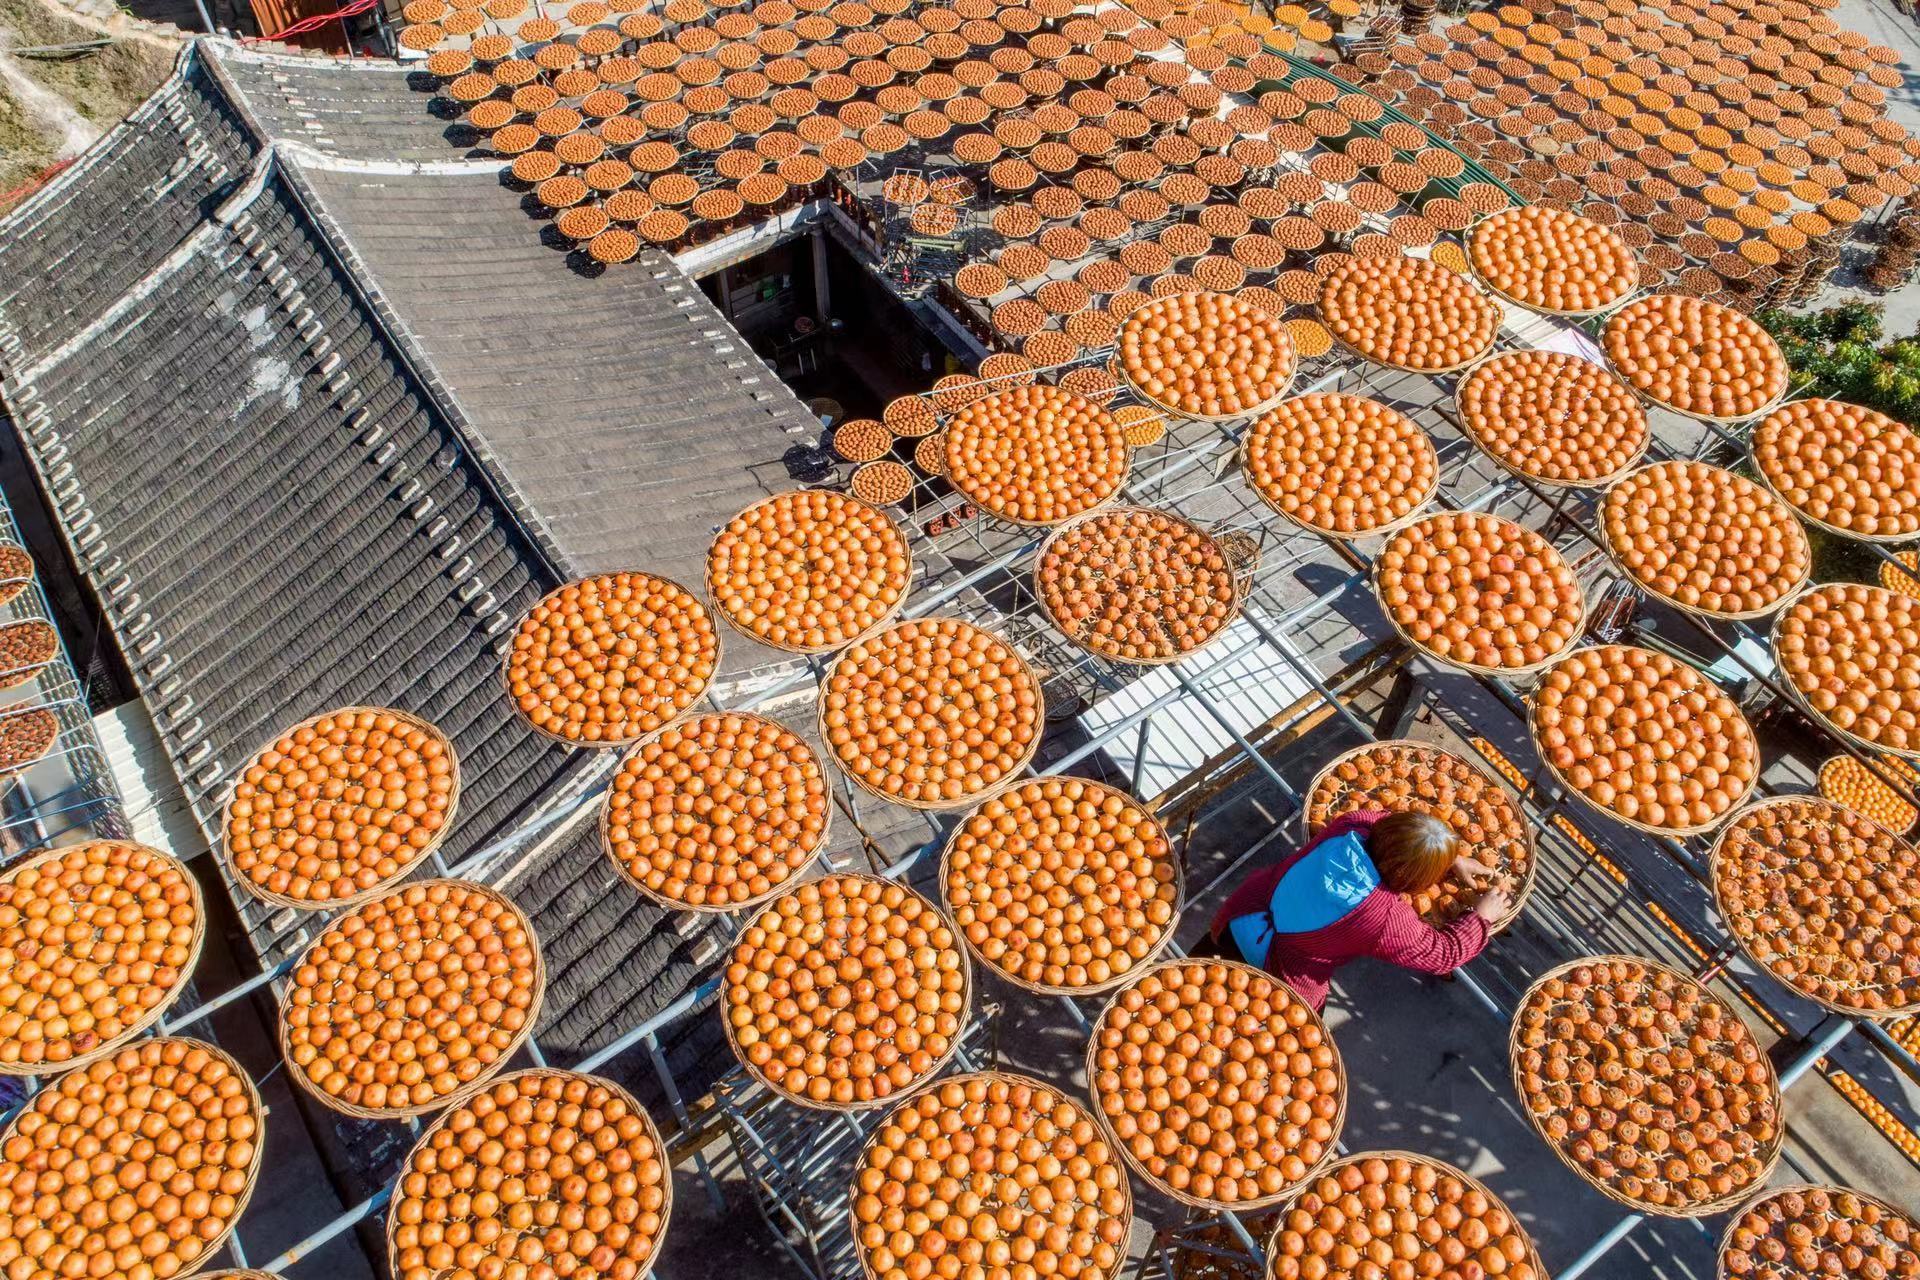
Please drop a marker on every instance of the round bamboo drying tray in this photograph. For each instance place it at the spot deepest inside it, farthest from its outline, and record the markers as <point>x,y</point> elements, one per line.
<point>1799,698</point>
<point>673,904</point>
<point>466,1090</point>
<point>1012,774</point>
<point>1741,935</point>
<point>1729,423</point>
<point>1293,368</point>
<point>1705,1208</point>
<point>366,895</point>
<point>886,619</point>
<point>1479,442</point>
<point>1101,1118</point>
<point>1533,733</point>
<point>1605,308</point>
<point>1239,588</point>
<point>1374,531</point>
<point>1012,1077</point>
<point>1555,312</point>
<point>1390,1153</point>
<point>1828,788</point>
<point>931,1074</point>
<point>1325,778</point>
<point>154,1014</point>
<point>1619,563</point>
<point>40,750</point>
<point>1039,988</point>
<point>1651,402</point>
<point>209,1248</point>
<point>1765,481</point>
<point>1510,673</point>
<point>506,669</point>
<point>1016,521</point>
<point>1754,1201</point>
<point>653,1131</point>
<point>1456,367</point>
<point>238,1275</point>
<point>14,677</point>
<point>10,588</point>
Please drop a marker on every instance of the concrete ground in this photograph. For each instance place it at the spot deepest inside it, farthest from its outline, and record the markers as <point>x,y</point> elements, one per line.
<point>1895,26</point>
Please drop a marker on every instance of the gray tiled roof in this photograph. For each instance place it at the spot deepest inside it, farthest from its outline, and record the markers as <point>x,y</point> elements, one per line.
<point>360,109</point>
<point>278,522</point>
<point>620,406</point>
<point>322,419</point>
<point>100,227</point>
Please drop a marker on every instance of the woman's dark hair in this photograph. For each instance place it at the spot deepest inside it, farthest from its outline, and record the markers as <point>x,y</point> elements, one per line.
<point>1412,851</point>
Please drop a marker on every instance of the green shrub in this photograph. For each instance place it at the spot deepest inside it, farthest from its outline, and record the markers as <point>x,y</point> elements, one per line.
<point>1839,353</point>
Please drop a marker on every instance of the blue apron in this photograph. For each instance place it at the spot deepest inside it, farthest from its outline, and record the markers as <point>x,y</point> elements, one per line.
<point>1315,892</point>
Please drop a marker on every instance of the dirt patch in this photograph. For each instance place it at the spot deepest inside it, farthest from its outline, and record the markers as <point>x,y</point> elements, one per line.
<point>58,100</point>
<point>103,85</point>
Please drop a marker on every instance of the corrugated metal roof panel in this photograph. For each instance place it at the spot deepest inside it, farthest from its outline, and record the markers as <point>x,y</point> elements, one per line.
<point>1248,688</point>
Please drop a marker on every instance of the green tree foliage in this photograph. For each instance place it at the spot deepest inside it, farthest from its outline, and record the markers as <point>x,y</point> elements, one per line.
<point>1839,353</point>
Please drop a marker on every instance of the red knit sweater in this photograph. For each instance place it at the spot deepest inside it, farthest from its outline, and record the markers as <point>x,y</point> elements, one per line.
<point>1382,925</point>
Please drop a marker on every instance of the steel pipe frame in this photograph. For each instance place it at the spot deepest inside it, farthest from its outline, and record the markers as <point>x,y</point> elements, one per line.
<point>1173,464</point>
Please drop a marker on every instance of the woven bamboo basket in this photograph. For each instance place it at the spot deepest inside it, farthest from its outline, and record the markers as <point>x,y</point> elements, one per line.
<point>1059,530</point>
<point>1533,732</point>
<point>1505,673</point>
<point>1741,1209</point>
<point>987,509</point>
<point>11,587</point>
<point>40,750</point>
<point>954,477</point>
<point>153,1015</point>
<point>1126,1151</point>
<point>1800,698</point>
<point>1620,563</point>
<point>653,1132</point>
<point>1769,1158</point>
<point>466,1090</point>
<point>673,904</point>
<point>1479,442</point>
<point>1324,779</point>
<point>1039,988</point>
<point>1435,372</point>
<point>14,677</point>
<point>1418,511</point>
<point>1555,312</point>
<point>367,895</point>
<point>1012,1077</point>
<point>1730,421</point>
<point>1533,1253</point>
<point>1742,933</point>
<point>1012,774</point>
<point>713,595</point>
<point>506,671</point>
<point>1826,787</point>
<point>1878,539</point>
<point>1633,286</point>
<point>932,1073</point>
<point>1254,411</point>
<point>209,1248</point>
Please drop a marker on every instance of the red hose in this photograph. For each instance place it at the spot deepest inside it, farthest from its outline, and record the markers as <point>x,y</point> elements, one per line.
<point>34,183</point>
<point>314,23</point>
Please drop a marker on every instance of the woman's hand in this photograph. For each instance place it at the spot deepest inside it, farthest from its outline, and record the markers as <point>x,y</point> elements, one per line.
<point>1495,903</point>
<point>1471,869</point>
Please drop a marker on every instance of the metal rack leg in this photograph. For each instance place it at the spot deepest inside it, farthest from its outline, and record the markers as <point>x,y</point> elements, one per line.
<point>1601,1247</point>
<point>1812,1054</point>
